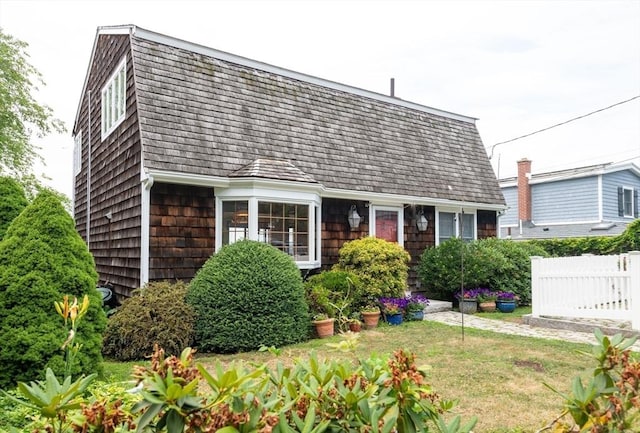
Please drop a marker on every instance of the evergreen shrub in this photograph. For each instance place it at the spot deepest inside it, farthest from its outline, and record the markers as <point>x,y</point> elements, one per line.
<point>42,258</point>
<point>247,295</point>
<point>12,201</point>
<point>499,264</point>
<point>155,314</point>
<point>381,266</point>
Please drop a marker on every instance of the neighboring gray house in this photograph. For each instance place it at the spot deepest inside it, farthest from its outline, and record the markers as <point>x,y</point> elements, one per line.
<point>598,200</point>
<point>181,149</point>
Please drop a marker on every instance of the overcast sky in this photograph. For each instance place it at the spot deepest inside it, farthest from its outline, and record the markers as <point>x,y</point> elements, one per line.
<point>517,66</point>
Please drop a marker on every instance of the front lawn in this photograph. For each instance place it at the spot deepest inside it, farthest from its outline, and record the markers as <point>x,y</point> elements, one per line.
<point>497,377</point>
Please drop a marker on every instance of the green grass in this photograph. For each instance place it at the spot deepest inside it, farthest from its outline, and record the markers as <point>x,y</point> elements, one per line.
<point>499,378</point>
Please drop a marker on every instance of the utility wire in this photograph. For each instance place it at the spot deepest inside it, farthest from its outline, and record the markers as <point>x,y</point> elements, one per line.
<point>562,123</point>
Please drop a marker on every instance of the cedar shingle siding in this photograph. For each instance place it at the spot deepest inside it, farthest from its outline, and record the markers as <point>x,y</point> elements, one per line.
<point>199,120</point>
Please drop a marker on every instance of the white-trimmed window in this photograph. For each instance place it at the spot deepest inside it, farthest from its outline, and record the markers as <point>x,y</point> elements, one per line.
<point>77,153</point>
<point>114,99</point>
<point>626,197</point>
<point>456,225</point>
<point>286,220</point>
<point>387,223</point>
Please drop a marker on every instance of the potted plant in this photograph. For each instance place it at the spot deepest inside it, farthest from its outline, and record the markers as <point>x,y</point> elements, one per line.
<point>324,325</point>
<point>506,302</point>
<point>415,307</point>
<point>370,315</point>
<point>468,300</point>
<point>355,325</point>
<point>487,300</point>
<point>393,309</point>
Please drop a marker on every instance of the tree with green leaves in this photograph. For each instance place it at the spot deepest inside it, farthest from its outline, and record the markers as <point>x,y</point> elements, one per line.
<point>12,201</point>
<point>20,114</point>
<point>42,259</point>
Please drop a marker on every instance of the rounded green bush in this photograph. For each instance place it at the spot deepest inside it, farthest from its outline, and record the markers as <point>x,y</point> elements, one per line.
<point>42,258</point>
<point>247,295</point>
<point>12,201</point>
<point>381,266</point>
<point>156,313</point>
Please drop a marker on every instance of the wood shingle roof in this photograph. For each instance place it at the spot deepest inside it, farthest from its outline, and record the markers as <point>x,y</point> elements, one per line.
<point>205,115</point>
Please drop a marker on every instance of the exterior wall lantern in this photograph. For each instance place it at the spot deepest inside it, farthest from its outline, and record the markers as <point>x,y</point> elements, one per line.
<point>422,221</point>
<point>354,218</point>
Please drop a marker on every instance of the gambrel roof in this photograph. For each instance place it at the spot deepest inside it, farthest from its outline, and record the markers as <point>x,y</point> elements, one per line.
<point>204,112</point>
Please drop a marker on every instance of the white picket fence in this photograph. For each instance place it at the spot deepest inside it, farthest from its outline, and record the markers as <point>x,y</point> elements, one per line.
<point>592,287</point>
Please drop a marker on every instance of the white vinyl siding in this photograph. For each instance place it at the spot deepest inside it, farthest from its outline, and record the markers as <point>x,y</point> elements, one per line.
<point>114,96</point>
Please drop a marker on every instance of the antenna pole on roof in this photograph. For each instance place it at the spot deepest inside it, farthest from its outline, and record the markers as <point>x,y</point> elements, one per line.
<point>393,87</point>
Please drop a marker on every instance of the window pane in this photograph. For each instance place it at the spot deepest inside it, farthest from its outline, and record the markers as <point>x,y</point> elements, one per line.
<point>446,226</point>
<point>286,227</point>
<point>467,227</point>
<point>235,221</point>
<point>628,202</point>
<point>387,225</point>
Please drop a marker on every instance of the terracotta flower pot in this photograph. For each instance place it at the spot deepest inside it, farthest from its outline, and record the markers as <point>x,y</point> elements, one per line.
<point>355,326</point>
<point>371,319</point>
<point>487,306</point>
<point>324,328</point>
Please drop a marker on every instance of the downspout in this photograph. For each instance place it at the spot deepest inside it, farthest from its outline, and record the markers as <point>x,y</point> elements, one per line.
<point>88,227</point>
<point>146,184</point>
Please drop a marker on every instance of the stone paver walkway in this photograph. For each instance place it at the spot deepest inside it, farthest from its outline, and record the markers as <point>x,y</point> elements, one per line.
<point>455,318</point>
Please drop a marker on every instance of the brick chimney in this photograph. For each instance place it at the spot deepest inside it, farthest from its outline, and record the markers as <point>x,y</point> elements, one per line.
<point>524,190</point>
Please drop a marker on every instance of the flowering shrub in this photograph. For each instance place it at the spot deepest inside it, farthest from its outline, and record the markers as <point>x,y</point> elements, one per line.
<point>393,305</point>
<point>485,295</point>
<point>506,296</point>
<point>416,303</point>
<point>470,294</point>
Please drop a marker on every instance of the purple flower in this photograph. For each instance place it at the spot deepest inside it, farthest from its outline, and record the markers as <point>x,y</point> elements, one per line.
<point>468,294</point>
<point>506,296</point>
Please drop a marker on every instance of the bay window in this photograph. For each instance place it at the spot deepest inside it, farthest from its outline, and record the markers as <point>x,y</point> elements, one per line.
<point>288,221</point>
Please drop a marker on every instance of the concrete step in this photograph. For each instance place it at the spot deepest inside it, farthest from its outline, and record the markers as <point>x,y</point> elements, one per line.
<point>436,306</point>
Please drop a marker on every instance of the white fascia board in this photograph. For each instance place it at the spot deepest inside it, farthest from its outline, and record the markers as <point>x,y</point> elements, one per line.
<point>254,64</point>
<point>179,178</point>
<point>397,199</point>
<point>566,223</point>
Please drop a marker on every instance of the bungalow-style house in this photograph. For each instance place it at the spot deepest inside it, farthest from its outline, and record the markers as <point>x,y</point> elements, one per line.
<point>598,200</point>
<point>181,149</point>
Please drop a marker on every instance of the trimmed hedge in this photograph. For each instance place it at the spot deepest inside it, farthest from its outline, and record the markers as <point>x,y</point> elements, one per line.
<point>42,258</point>
<point>12,201</point>
<point>381,266</point>
<point>629,240</point>
<point>247,295</point>
<point>499,264</point>
<point>155,314</point>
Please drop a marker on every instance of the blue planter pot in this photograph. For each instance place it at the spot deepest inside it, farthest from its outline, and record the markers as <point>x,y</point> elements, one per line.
<point>506,306</point>
<point>416,315</point>
<point>394,319</point>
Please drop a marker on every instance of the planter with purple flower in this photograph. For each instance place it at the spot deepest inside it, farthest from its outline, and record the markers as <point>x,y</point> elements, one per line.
<point>506,302</point>
<point>416,303</point>
<point>468,300</point>
<point>393,309</point>
<point>487,300</point>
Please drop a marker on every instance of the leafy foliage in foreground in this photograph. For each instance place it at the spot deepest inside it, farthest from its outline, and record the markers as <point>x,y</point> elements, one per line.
<point>609,402</point>
<point>310,396</point>
<point>155,314</point>
<point>247,295</point>
<point>42,258</point>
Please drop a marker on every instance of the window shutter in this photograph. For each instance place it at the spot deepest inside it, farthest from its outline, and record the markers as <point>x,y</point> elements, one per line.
<point>620,201</point>
<point>636,208</point>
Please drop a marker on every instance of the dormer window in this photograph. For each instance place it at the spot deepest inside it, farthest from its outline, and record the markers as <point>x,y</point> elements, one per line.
<point>114,99</point>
